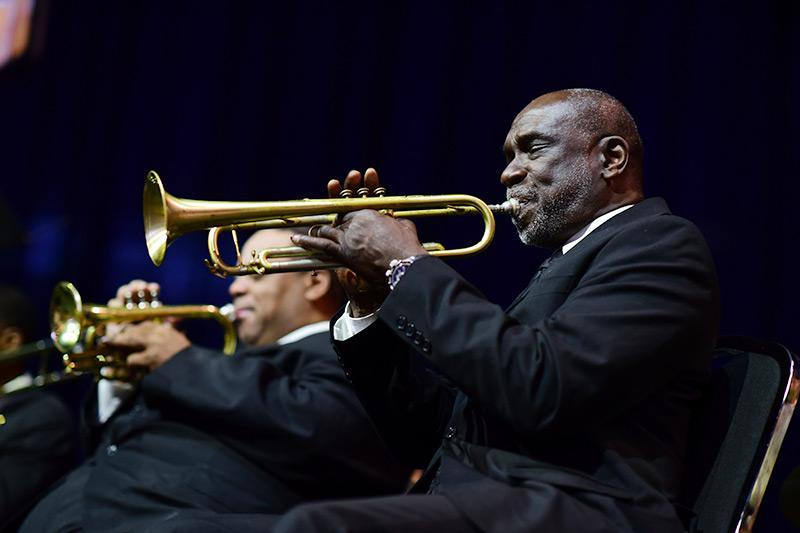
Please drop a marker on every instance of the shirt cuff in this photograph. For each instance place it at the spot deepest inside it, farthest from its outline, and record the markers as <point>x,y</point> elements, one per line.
<point>110,394</point>
<point>347,326</point>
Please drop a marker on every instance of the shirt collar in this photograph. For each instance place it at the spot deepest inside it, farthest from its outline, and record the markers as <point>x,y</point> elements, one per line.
<point>20,382</point>
<point>303,332</point>
<point>593,225</point>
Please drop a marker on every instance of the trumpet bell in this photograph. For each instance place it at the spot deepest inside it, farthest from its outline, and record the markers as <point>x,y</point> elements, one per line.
<point>167,217</point>
<point>155,218</point>
<point>66,316</point>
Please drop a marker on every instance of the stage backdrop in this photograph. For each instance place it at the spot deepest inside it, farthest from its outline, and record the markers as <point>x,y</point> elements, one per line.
<point>268,100</point>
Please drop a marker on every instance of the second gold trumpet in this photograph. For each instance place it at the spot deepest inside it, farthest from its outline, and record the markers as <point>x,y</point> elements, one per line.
<point>167,217</point>
<point>76,328</point>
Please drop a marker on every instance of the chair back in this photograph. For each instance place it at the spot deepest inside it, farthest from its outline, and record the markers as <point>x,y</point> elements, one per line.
<point>737,432</point>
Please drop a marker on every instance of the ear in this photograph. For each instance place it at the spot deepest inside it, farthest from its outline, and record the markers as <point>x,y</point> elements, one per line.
<point>317,285</point>
<point>614,154</point>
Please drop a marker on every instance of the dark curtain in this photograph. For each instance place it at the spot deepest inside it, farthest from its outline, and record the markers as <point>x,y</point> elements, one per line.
<point>267,100</point>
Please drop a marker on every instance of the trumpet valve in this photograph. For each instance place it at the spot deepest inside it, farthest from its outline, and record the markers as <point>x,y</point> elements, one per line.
<point>128,300</point>
<point>141,295</point>
<point>155,299</point>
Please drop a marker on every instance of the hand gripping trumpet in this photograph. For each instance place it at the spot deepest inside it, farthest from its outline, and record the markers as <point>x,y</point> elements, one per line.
<point>77,328</point>
<point>167,217</point>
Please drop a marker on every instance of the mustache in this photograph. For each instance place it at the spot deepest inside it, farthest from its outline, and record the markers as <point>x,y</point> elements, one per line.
<point>521,195</point>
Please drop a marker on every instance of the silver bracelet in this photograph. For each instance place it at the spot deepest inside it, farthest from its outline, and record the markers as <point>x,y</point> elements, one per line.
<point>397,269</point>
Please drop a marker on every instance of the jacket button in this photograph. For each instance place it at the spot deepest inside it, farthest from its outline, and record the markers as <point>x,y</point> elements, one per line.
<point>410,329</point>
<point>450,432</point>
<point>111,450</point>
<point>426,346</point>
<point>401,322</point>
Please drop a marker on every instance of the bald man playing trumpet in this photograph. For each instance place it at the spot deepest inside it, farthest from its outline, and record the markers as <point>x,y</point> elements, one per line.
<point>273,425</point>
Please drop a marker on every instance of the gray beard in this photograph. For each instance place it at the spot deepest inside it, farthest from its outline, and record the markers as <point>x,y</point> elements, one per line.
<point>555,213</point>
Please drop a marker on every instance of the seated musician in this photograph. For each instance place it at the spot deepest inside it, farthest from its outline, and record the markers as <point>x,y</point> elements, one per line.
<point>260,431</point>
<point>568,411</point>
<point>37,441</point>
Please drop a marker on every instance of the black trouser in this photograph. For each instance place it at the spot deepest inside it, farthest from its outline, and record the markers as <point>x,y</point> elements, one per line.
<point>401,514</point>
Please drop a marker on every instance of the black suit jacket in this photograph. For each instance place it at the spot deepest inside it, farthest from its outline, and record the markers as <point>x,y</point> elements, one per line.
<point>37,445</point>
<point>577,397</point>
<point>253,433</point>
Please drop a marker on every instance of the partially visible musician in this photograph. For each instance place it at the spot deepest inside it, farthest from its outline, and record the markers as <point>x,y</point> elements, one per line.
<point>274,425</point>
<point>37,443</point>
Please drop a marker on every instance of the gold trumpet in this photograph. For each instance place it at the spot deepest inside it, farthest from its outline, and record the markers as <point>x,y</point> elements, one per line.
<point>77,328</point>
<point>167,217</point>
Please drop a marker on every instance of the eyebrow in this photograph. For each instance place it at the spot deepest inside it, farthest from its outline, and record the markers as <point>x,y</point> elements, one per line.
<point>531,136</point>
<point>526,138</point>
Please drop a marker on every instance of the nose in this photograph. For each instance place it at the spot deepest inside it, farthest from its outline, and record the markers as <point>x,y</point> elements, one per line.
<point>239,286</point>
<point>513,174</point>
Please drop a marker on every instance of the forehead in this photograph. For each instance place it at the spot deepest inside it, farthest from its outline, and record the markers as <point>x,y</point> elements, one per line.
<point>550,119</point>
<point>267,238</point>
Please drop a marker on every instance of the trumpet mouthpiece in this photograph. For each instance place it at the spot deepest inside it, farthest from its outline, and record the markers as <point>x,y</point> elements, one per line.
<point>228,311</point>
<point>509,207</point>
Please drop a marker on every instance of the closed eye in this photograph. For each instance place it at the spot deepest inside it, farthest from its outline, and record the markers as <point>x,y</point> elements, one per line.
<point>532,142</point>
<point>536,149</point>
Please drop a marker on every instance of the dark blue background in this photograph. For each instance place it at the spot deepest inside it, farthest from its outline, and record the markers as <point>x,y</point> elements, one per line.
<point>267,100</point>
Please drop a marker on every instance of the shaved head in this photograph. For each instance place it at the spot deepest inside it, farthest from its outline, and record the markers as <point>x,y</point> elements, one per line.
<point>594,114</point>
<point>572,156</point>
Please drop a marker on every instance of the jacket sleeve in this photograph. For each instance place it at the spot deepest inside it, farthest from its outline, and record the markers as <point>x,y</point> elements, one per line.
<point>300,399</point>
<point>407,399</point>
<point>629,325</point>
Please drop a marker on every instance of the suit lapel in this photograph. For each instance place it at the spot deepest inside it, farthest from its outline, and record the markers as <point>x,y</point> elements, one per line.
<point>539,272</point>
<point>645,208</point>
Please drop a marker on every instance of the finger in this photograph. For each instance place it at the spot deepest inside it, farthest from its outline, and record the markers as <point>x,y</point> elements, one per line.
<point>132,287</point>
<point>122,340</point>
<point>142,359</point>
<point>407,224</point>
<point>353,181</point>
<point>110,372</point>
<point>127,336</point>
<point>328,232</point>
<point>318,244</point>
<point>371,180</point>
<point>334,188</point>
<point>115,302</point>
<point>112,329</point>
